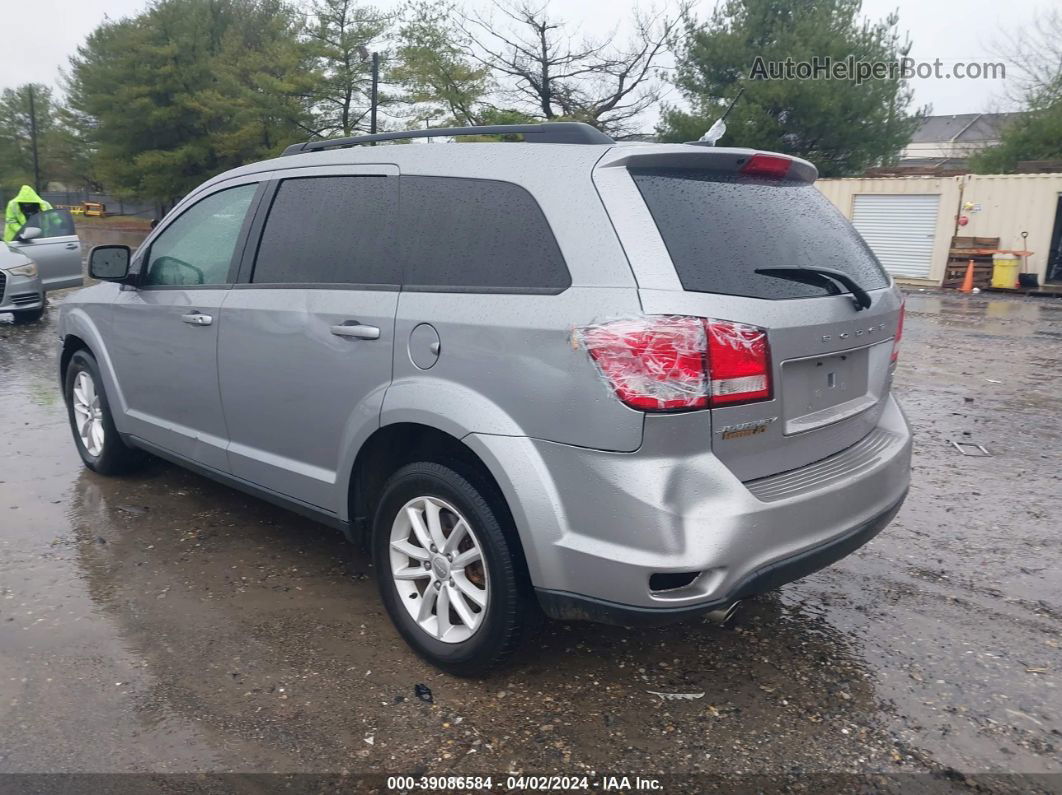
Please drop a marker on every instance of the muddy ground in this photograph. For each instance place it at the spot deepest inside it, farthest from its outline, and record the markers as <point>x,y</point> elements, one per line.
<point>163,623</point>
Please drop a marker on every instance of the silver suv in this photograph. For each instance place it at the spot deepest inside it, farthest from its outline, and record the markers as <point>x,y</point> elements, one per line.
<point>629,383</point>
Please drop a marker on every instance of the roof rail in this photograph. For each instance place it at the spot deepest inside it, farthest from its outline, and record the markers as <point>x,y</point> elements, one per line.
<point>556,132</point>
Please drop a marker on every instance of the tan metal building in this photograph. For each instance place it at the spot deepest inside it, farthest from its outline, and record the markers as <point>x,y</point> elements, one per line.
<point>909,221</point>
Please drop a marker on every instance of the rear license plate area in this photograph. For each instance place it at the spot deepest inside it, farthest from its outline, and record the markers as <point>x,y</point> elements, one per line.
<point>821,390</point>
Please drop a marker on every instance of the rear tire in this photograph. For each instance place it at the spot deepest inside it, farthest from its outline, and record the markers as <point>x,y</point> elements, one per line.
<point>456,557</point>
<point>96,437</point>
<point>24,316</point>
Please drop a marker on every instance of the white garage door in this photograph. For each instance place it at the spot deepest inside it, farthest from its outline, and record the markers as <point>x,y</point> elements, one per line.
<point>899,228</point>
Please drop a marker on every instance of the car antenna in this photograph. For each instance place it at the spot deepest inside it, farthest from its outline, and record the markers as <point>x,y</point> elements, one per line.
<point>718,128</point>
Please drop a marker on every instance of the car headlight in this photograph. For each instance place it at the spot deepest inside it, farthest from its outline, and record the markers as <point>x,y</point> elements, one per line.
<point>24,270</point>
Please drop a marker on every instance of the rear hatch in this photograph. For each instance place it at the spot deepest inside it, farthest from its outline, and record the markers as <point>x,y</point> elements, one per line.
<point>752,241</point>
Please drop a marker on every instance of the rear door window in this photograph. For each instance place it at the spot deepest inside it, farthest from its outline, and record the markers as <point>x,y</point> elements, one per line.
<point>472,235</point>
<point>720,228</point>
<point>331,230</point>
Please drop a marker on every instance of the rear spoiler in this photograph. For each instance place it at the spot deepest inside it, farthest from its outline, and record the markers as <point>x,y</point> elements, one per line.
<point>770,165</point>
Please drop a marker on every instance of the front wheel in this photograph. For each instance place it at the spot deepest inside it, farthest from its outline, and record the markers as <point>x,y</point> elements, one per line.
<point>446,569</point>
<point>96,437</point>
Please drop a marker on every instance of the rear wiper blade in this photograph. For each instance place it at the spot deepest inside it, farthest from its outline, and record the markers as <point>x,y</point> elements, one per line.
<point>860,296</point>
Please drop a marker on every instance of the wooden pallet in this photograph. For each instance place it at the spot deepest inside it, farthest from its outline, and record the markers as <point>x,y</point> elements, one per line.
<point>955,273</point>
<point>974,242</point>
<point>964,249</point>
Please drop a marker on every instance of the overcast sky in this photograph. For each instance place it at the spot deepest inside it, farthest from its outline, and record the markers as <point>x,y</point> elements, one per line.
<point>951,30</point>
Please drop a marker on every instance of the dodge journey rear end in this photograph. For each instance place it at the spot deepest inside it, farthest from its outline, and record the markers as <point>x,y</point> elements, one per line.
<point>622,383</point>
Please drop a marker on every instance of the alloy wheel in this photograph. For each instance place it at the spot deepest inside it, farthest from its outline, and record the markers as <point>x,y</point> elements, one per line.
<point>88,414</point>
<point>438,569</point>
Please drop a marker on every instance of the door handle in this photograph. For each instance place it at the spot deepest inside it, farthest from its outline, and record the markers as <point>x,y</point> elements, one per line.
<point>197,319</point>
<point>71,246</point>
<point>357,331</point>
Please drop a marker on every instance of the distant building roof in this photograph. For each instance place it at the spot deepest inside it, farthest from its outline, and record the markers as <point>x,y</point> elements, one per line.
<point>963,127</point>
<point>921,166</point>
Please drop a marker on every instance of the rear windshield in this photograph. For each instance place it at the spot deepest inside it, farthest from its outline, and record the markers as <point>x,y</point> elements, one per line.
<point>720,229</point>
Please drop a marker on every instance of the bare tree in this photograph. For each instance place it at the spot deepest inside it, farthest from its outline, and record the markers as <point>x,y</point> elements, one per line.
<point>556,75</point>
<point>1034,54</point>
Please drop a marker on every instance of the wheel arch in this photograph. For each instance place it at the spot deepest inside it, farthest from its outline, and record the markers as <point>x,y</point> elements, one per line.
<point>392,446</point>
<point>72,343</point>
<point>78,331</point>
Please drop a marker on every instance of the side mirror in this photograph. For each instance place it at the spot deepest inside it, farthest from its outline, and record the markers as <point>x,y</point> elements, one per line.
<point>29,233</point>
<point>109,263</point>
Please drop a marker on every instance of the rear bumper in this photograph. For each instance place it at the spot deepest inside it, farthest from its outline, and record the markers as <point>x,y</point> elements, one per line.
<point>574,607</point>
<point>596,526</point>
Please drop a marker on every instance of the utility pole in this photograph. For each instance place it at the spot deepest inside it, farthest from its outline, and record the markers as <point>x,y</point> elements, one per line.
<point>375,91</point>
<point>33,140</point>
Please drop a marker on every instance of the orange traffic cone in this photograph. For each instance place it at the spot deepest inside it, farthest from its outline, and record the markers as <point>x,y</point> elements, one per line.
<point>967,282</point>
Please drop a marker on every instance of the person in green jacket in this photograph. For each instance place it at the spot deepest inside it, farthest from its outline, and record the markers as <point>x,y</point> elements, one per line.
<point>25,204</point>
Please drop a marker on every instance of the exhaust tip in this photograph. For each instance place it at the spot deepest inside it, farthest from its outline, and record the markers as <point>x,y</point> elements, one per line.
<point>723,615</point>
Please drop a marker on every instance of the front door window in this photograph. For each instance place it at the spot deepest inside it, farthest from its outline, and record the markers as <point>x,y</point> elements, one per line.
<point>198,247</point>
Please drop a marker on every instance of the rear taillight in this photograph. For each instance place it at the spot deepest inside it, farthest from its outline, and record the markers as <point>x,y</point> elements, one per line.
<point>899,332</point>
<point>769,166</point>
<point>652,363</point>
<point>678,363</point>
<point>739,362</point>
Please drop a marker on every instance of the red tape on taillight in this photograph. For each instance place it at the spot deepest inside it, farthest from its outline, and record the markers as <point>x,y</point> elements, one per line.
<point>678,363</point>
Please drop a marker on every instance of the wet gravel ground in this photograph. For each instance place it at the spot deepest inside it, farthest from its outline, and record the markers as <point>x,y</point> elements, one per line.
<point>164,623</point>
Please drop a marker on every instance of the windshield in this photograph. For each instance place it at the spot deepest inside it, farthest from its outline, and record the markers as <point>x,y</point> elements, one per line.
<point>719,229</point>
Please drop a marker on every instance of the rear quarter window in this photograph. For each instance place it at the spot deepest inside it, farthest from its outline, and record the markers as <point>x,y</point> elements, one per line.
<point>720,228</point>
<point>461,234</point>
